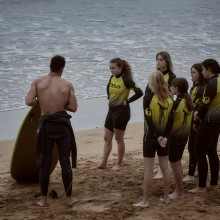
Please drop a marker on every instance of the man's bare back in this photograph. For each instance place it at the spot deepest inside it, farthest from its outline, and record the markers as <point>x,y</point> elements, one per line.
<point>53,94</point>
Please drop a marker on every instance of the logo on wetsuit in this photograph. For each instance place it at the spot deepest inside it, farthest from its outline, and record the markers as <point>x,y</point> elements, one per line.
<point>115,86</point>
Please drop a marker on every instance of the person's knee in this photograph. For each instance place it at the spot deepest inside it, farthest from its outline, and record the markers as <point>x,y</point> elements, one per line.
<point>119,139</point>
<point>107,138</point>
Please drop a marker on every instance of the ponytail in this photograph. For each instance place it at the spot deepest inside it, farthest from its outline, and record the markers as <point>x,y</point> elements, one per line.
<point>182,85</point>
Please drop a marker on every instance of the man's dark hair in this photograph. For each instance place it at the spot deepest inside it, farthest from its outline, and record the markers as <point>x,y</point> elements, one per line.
<point>57,63</point>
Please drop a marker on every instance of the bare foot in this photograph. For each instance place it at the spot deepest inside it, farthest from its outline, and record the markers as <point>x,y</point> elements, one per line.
<point>116,167</point>
<point>188,178</point>
<point>71,201</point>
<point>99,166</point>
<point>43,202</point>
<point>167,201</point>
<point>141,204</point>
<point>176,195</point>
<point>198,190</point>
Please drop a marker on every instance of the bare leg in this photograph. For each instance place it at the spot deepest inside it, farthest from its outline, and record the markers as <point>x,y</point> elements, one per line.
<point>70,201</point>
<point>119,137</point>
<point>148,177</point>
<point>164,165</point>
<point>177,173</point>
<point>43,202</point>
<point>107,149</point>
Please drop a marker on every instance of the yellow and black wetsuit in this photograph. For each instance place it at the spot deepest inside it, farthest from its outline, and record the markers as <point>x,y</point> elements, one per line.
<point>157,114</point>
<point>168,78</point>
<point>118,90</point>
<point>209,109</point>
<point>196,95</point>
<point>208,132</point>
<point>180,129</point>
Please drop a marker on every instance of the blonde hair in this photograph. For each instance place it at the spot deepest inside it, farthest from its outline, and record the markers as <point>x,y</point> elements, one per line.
<point>157,85</point>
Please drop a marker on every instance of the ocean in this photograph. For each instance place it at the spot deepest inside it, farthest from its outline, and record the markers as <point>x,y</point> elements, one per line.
<point>89,33</point>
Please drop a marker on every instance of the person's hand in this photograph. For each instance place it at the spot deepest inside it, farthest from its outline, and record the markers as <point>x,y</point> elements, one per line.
<point>164,142</point>
<point>159,140</point>
<point>196,118</point>
<point>125,103</point>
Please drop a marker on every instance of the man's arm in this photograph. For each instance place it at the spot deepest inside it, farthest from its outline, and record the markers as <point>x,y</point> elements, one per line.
<point>31,98</point>
<point>72,104</point>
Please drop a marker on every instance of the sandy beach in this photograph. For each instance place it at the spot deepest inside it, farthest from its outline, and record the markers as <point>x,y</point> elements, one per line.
<point>103,194</point>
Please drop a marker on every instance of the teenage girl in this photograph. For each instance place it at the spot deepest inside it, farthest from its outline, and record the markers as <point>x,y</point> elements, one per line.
<point>157,110</point>
<point>208,115</point>
<point>196,93</point>
<point>182,108</point>
<point>164,64</point>
<point>118,90</point>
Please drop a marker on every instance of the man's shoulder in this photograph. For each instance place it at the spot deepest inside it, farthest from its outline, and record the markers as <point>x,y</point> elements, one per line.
<point>68,83</point>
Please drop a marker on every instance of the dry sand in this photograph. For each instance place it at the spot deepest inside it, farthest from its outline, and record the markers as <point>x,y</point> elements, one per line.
<point>103,194</point>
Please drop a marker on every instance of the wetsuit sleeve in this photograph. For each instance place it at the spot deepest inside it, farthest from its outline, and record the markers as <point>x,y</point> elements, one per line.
<point>130,84</point>
<point>108,85</point>
<point>209,93</point>
<point>172,76</point>
<point>148,114</point>
<point>171,117</point>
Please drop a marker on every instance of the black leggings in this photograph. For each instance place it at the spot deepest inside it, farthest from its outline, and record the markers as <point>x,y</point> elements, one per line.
<point>206,144</point>
<point>63,141</point>
<point>191,150</point>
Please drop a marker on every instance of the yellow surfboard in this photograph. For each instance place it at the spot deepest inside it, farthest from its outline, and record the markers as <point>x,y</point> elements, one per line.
<point>23,166</point>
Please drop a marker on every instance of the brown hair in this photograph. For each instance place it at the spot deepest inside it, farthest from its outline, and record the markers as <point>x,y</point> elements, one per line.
<point>182,85</point>
<point>126,68</point>
<point>167,58</point>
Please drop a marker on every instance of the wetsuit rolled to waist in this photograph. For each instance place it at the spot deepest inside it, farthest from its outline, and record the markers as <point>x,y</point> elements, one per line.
<point>62,126</point>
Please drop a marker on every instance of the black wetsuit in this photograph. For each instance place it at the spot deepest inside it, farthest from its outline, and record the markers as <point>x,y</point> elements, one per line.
<point>56,128</point>
<point>118,90</point>
<point>208,132</point>
<point>196,94</point>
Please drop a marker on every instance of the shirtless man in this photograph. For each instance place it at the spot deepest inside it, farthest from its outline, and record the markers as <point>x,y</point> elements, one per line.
<point>54,96</point>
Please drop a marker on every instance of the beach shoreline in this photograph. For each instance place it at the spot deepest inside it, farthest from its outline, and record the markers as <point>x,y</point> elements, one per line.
<point>91,114</point>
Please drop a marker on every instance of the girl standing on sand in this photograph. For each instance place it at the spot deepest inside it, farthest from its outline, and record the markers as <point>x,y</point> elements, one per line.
<point>196,93</point>
<point>164,64</point>
<point>207,121</point>
<point>118,90</point>
<point>157,111</point>
<point>182,108</point>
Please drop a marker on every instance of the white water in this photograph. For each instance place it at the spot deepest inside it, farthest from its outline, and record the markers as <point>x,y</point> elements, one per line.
<point>90,33</point>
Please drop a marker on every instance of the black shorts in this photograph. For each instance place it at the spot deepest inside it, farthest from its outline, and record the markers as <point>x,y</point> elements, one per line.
<point>151,146</point>
<point>117,118</point>
<point>176,151</point>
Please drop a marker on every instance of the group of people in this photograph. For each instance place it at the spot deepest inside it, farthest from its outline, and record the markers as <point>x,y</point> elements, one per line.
<point>169,123</point>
